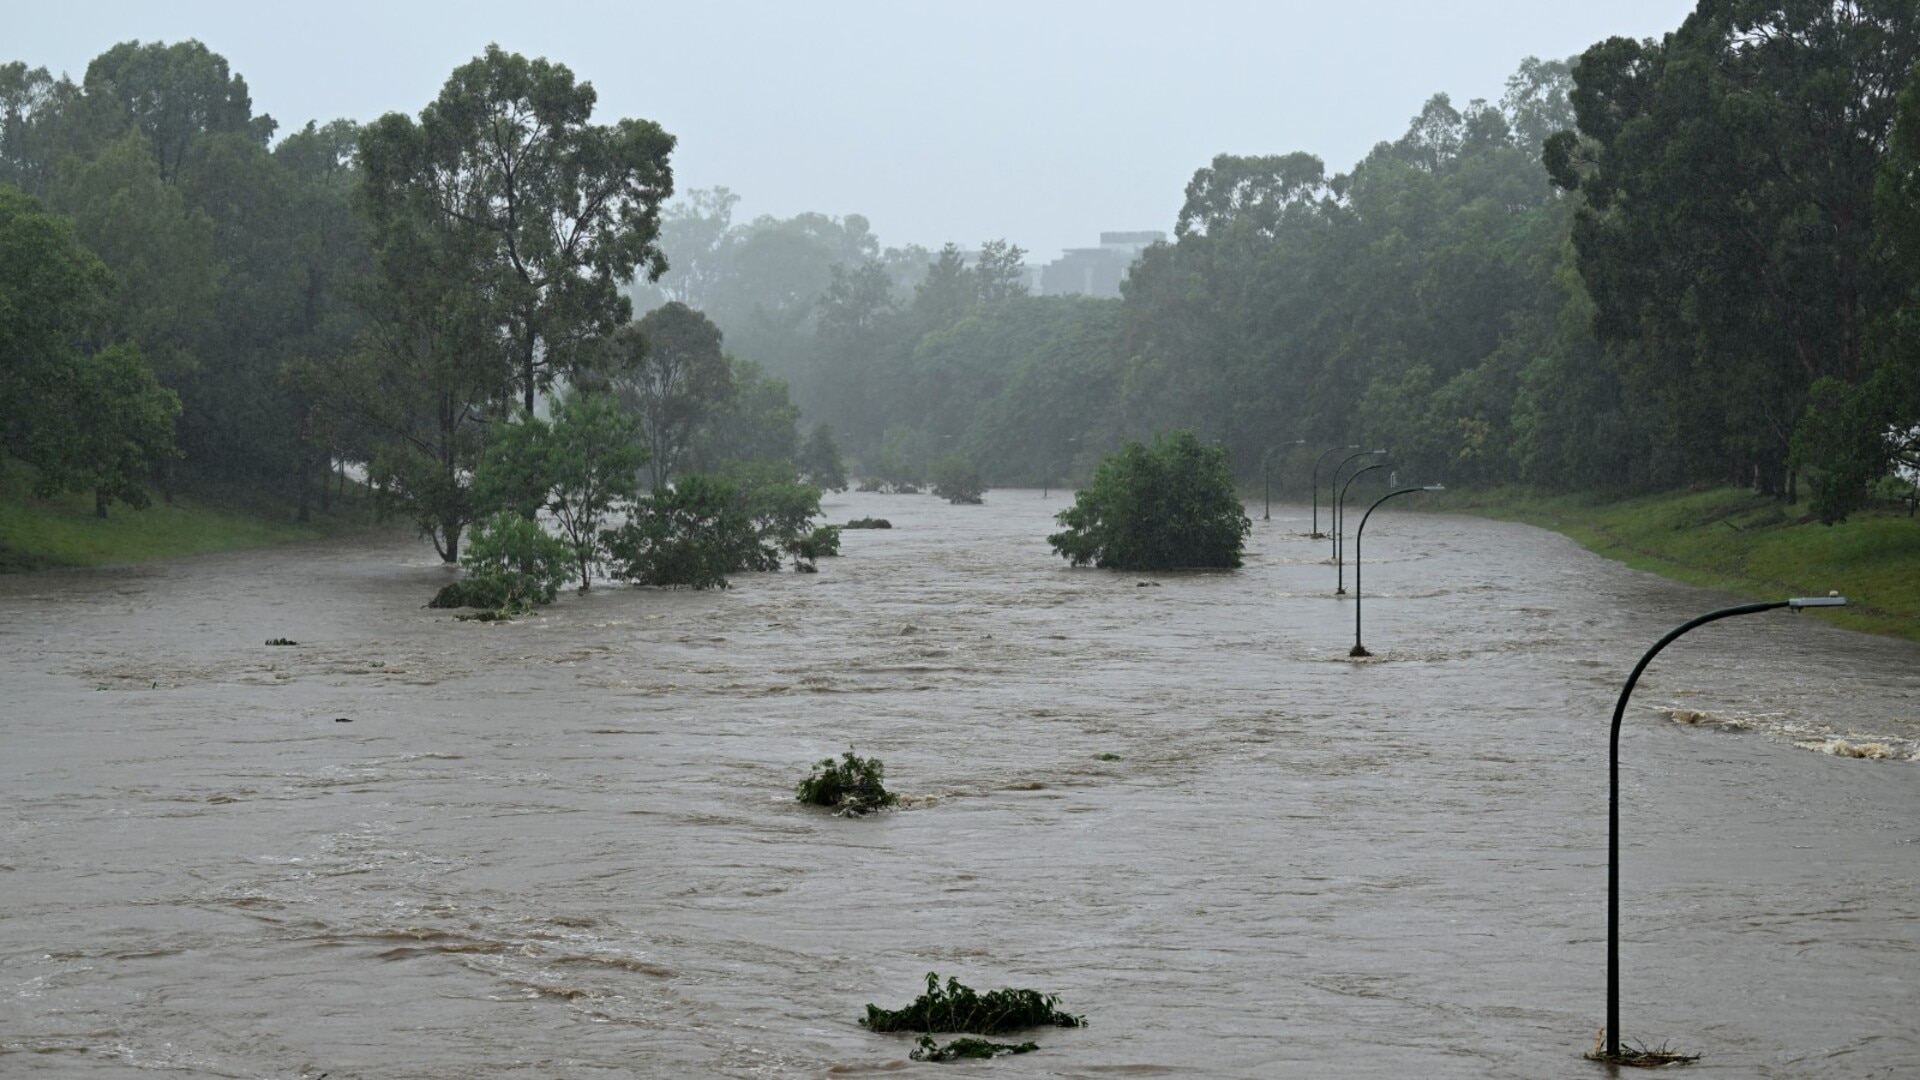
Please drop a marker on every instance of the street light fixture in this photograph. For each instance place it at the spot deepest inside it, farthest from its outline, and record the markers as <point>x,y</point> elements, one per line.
<point>1266,476</point>
<point>1339,518</point>
<point>1333,482</point>
<point>1613,792</point>
<point>1316,534</point>
<point>1359,649</point>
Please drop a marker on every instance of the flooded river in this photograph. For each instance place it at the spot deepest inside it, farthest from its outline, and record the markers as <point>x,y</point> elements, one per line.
<point>567,846</point>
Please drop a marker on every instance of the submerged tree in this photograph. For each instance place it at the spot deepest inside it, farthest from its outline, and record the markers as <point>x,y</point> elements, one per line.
<point>1168,506</point>
<point>575,469</point>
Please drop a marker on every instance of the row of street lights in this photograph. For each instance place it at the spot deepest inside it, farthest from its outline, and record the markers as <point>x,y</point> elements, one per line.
<point>1612,1051</point>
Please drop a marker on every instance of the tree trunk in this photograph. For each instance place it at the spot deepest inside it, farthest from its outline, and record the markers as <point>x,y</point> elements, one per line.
<point>100,503</point>
<point>305,487</point>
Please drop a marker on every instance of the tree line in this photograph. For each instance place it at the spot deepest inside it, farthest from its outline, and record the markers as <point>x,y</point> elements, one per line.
<point>1660,263</point>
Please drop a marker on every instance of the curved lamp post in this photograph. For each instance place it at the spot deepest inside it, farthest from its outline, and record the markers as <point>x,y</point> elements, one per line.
<point>1316,534</point>
<point>1359,649</point>
<point>1339,519</point>
<point>1613,791</point>
<point>1334,506</point>
<point>1266,477</point>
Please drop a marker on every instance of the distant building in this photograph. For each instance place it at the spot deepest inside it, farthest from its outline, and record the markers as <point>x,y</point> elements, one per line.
<point>1096,271</point>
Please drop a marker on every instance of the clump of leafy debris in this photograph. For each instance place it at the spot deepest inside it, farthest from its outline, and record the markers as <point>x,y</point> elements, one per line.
<point>1638,1056</point>
<point>852,786</point>
<point>967,1047</point>
<point>957,1007</point>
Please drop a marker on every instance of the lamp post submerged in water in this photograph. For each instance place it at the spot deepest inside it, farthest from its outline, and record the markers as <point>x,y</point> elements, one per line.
<point>1612,1052</point>
<point>1359,649</point>
<point>1339,527</point>
<point>1333,484</point>
<point>1266,478</point>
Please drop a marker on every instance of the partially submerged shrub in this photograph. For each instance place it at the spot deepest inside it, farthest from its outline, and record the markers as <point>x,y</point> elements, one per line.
<point>823,542</point>
<point>852,785</point>
<point>482,592</point>
<point>956,1007</point>
<point>703,528</point>
<point>512,564</point>
<point>967,1047</point>
<point>869,523</point>
<point>686,536</point>
<point>1168,506</point>
<point>956,480</point>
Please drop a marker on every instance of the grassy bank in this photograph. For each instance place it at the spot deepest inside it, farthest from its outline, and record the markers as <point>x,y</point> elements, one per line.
<point>1733,540</point>
<point>64,531</point>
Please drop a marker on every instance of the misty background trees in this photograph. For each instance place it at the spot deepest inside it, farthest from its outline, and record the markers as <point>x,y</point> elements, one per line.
<point>1662,263</point>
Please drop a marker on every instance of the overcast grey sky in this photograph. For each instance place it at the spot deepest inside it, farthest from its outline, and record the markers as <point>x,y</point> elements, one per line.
<point>1043,121</point>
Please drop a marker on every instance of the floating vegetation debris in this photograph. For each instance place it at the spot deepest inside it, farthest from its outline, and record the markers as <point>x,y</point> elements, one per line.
<point>967,1047</point>
<point>281,641</point>
<point>869,523</point>
<point>1109,757</point>
<point>955,1007</point>
<point>853,786</point>
<point>1638,1057</point>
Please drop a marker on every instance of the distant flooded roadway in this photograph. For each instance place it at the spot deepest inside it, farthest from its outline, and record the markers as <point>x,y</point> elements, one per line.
<point>568,846</point>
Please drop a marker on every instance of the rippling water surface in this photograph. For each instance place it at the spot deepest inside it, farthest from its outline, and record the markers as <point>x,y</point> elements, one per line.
<point>568,847</point>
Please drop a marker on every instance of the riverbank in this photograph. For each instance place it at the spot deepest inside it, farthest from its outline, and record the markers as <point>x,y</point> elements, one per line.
<point>1734,540</point>
<point>64,531</point>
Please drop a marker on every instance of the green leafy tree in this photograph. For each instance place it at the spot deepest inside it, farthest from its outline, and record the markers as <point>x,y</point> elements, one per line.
<point>697,237</point>
<point>159,248</point>
<point>175,95</point>
<point>425,381</point>
<point>669,370</point>
<point>1727,176</point>
<point>576,469</point>
<point>757,422</point>
<point>957,480</point>
<point>690,535</point>
<point>1168,506</point>
<point>86,412</point>
<point>35,115</point>
<point>780,507</point>
<point>561,211</point>
<point>820,462</point>
<point>512,564</point>
<point>1000,272</point>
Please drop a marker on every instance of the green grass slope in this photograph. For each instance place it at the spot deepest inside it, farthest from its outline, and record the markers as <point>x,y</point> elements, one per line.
<point>63,530</point>
<point>1739,542</point>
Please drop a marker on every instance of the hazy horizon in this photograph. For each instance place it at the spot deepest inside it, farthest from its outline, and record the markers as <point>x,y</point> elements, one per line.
<point>1041,124</point>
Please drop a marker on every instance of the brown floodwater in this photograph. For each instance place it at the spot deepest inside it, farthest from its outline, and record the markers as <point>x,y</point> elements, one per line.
<point>567,846</point>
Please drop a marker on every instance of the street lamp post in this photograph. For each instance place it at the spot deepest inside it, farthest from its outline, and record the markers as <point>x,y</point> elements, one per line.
<point>1046,478</point>
<point>1339,518</point>
<point>1316,534</point>
<point>1359,649</point>
<point>1266,478</point>
<point>1333,506</point>
<point>1613,791</point>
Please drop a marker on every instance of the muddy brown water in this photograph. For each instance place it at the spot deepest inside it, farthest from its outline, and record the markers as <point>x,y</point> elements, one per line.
<point>568,847</point>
